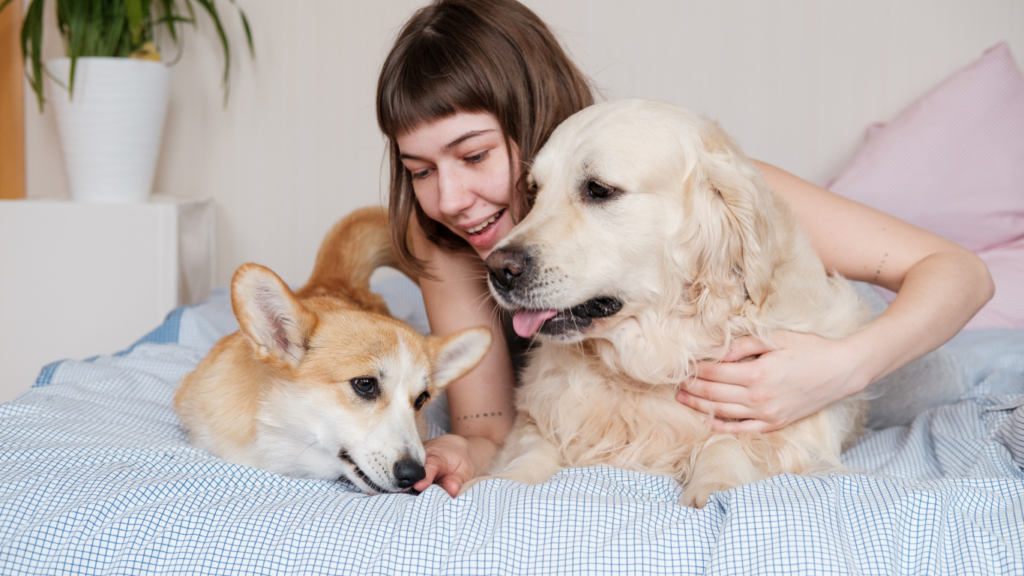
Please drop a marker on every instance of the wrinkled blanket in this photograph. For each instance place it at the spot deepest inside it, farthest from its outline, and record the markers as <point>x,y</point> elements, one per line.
<point>97,477</point>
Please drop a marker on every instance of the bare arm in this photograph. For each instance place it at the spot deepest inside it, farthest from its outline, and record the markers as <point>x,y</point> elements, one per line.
<point>940,287</point>
<point>480,403</point>
<point>940,284</point>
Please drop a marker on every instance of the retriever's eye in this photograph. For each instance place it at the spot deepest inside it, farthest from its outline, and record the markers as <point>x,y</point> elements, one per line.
<point>596,191</point>
<point>366,386</point>
<point>421,400</point>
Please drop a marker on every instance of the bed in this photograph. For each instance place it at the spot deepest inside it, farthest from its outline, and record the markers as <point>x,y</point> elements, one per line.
<point>97,476</point>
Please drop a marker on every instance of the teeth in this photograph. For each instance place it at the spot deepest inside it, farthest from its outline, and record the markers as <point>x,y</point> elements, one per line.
<point>482,225</point>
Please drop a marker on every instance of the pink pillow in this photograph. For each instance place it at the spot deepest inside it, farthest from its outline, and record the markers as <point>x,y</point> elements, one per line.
<point>953,163</point>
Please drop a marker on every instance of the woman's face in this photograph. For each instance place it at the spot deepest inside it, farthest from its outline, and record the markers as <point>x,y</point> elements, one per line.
<point>460,175</point>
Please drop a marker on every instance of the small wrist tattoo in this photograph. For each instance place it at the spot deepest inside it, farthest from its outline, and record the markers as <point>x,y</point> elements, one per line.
<point>480,415</point>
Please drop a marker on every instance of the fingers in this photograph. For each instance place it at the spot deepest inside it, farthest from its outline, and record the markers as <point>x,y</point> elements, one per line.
<point>452,484</point>
<point>728,405</point>
<point>430,467</point>
<point>735,427</point>
<point>728,418</point>
<point>718,409</point>
<point>717,392</point>
<point>446,464</point>
<point>743,347</point>
<point>738,373</point>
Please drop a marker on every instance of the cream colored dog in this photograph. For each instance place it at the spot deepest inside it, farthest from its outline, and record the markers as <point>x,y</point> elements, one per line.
<point>323,383</point>
<point>653,243</point>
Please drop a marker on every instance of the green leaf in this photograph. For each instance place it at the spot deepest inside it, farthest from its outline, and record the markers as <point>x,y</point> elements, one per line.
<point>248,33</point>
<point>211,10</point>
<point>134,10</point>
<point>115,28</point>
<point>170,11</point>
<point>32,46</point>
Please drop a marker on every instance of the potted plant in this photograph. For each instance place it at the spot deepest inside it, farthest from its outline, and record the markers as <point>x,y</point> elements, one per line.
<point>110,93</point>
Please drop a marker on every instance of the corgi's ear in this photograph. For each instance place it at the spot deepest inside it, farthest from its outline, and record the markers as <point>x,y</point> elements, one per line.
<point>457,354</point>
<point>270,315</point>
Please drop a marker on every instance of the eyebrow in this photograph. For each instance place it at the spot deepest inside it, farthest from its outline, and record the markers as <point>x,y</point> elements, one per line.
<point>452,144</point>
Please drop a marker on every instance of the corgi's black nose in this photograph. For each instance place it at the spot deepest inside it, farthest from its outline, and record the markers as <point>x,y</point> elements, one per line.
<point>408,472</point>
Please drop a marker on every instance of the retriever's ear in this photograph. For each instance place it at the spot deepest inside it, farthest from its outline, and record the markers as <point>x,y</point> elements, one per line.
<point>269,314</point>
<point>737,249</point>
<point>457,354</point>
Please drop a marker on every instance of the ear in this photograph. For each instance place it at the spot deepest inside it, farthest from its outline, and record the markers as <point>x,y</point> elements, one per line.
<point>270,315</point>
<point>456,354</point>
<point>738,250</point>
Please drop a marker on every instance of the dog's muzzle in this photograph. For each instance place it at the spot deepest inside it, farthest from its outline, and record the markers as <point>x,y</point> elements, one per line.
<point>513,275</point>
<point>580,317</point>
<point>407,471</point>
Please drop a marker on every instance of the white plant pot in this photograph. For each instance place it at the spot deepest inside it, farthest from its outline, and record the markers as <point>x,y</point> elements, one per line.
<point>111,126</point>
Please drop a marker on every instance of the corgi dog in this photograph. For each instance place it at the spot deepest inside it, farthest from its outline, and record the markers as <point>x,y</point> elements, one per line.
<point>322,383</point>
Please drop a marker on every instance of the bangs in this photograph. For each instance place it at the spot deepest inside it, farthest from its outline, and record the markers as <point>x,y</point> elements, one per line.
<point>435,80</point>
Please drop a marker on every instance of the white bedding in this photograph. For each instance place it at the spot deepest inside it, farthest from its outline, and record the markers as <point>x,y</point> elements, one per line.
<point>97,476</point>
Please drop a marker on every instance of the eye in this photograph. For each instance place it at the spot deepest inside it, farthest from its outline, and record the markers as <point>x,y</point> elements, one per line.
<point>420,174</point>
<point>366,386</point>
<point>596,191</point>
<point>477,157</point>
<point>421,400</point>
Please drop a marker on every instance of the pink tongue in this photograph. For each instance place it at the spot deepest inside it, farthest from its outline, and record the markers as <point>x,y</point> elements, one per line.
<point>527,322</point>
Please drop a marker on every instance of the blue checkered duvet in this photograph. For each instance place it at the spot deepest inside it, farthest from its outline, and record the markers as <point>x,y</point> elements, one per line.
<point>97,477</point>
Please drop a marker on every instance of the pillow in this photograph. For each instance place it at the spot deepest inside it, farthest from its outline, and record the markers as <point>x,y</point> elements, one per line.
<point>953,164</point>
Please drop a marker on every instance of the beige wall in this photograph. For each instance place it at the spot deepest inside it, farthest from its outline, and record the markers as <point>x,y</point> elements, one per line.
<point>796,81</point>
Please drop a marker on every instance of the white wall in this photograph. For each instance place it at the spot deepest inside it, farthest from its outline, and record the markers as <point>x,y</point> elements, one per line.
<point>796,81</point>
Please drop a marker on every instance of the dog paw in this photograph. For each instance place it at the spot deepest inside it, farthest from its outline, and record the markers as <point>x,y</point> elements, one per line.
<point>697,496</point>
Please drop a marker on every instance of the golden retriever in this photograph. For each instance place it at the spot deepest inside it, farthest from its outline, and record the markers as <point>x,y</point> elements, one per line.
<point>653,243</point>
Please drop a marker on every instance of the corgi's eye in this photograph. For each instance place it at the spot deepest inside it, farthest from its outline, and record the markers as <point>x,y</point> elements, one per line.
<point>366,386</point>
<point>421,400</point>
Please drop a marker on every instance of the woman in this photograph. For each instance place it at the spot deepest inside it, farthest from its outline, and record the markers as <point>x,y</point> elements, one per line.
<point>470,92</point>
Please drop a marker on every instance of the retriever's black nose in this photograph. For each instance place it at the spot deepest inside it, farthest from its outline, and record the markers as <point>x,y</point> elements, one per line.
<point>408,472</point>
<point>507,266</point>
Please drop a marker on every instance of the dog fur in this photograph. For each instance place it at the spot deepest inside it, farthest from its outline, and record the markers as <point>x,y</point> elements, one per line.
<point>655,242</point>
<point>323,383</point>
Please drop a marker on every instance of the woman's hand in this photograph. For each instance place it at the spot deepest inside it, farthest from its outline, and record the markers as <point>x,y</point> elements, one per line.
<point>773,388</point>
<point>453,460</point>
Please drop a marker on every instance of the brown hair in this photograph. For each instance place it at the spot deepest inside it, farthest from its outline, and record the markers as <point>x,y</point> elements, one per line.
<point>492,56</point>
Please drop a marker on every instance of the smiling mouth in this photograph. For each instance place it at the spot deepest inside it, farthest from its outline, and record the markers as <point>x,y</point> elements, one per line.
<point>528,322</point>
<point>485,225</point>
<point>344,457</point>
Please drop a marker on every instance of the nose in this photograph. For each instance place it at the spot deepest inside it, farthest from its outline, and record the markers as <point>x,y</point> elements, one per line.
<point>453,196</point>
<point>507,266</point>
<point>408,472</point>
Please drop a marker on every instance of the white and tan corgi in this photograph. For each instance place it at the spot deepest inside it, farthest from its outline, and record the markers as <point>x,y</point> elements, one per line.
<point>323,383</point>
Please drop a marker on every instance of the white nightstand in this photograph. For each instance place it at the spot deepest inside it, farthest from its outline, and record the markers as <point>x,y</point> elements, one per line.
<point>80,279</point>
